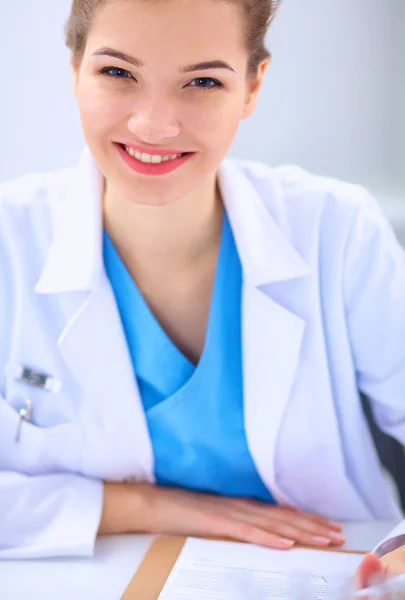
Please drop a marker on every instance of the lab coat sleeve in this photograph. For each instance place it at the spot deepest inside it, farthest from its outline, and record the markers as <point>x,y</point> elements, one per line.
<point>48,515</point>
<point>395,539</point>
<point>40,515</point>
<point>374,290</point>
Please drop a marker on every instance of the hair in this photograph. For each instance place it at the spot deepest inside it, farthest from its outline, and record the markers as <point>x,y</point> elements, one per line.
<point>259,15</point>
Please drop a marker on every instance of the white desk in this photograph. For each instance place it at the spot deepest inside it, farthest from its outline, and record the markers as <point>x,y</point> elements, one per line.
<point>106,576</point>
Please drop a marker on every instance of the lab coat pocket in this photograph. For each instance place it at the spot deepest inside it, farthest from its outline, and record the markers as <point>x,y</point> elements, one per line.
<point>35,450</point>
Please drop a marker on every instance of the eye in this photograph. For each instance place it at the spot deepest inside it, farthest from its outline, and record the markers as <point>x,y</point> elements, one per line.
<point>116,73</point>
<point>206,83</point>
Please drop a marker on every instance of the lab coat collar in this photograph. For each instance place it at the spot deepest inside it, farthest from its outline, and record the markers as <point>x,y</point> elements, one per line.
<point>75,260</point>
<point>266,254</point>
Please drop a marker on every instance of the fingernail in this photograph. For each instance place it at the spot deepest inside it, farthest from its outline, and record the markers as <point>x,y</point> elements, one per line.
<point>287,543</point>
<point>321,540</point>
<point>338,537</point>
<point>335,524</point>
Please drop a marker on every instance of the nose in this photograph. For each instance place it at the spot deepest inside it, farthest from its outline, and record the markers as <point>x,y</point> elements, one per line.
<point>155,119</point>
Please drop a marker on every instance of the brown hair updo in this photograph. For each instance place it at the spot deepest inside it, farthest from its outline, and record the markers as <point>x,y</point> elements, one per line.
<point>258,13</point>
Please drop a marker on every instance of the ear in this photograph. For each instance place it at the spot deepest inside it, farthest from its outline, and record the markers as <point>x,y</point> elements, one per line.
<point>75,70</point>
<point>254,86</point>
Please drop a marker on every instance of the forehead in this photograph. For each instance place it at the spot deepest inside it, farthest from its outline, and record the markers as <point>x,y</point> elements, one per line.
<point>186,26</point>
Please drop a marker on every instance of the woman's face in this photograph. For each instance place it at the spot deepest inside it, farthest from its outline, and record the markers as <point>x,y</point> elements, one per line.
<point>163,78</point>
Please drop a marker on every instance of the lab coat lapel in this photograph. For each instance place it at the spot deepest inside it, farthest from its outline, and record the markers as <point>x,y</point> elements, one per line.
<point>272,339</point>
<point>272,333</point>
<point>92,341</point>
<point>94,347</point>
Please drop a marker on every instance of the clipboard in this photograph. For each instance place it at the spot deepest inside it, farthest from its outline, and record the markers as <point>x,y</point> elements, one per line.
<point>152,574</point>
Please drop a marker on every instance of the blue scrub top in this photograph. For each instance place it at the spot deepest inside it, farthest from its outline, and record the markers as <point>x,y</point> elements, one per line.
<point>195,415</point>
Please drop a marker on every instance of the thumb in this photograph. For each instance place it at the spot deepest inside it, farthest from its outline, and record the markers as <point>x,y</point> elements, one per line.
<point>370,569</point>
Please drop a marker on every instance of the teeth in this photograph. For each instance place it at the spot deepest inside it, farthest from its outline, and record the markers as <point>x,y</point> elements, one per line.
<point>150,158</point>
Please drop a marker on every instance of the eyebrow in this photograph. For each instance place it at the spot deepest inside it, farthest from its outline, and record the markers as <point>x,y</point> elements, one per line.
<point>203,66</point>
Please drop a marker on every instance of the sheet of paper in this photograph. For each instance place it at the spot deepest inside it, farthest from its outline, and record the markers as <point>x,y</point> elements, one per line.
<point>210,570</point>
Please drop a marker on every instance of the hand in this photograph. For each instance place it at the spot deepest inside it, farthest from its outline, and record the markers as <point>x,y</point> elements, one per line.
<point>180,512</point>
<point>394,562</point>
<point>373,568</point>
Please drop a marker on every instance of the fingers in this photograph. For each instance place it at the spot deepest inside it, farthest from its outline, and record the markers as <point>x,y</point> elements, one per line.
<point>370,569</point>
<point>273,533</point>
<point>287,512</point>
<point>300,535</point>
<point>246,532</point>
<point>317,529</point>
<point>303,528</point>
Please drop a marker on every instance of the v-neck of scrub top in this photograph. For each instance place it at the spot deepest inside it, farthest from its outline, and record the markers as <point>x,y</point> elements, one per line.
<point>160,368</point>
<point>195,414</point>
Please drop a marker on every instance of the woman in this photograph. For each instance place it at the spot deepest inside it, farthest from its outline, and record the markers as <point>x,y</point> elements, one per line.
<point>184,337</point>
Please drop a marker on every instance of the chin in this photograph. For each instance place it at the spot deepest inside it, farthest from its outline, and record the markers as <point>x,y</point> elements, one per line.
<point>145,195</point>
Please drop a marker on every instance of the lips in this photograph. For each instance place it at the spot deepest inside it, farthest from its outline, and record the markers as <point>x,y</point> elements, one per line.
<point>147,167</point>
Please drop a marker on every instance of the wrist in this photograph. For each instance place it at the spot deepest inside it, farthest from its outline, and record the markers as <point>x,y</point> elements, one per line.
<point>124,509</point>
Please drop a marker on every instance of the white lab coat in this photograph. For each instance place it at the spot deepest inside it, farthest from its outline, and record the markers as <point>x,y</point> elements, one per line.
<point>323,316</point>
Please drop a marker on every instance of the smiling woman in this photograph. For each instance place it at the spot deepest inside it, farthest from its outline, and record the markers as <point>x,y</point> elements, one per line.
<point>136,98</point>
<point>209,322</point>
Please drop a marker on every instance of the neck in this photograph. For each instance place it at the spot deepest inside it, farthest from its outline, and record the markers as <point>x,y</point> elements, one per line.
<point>175,236</point>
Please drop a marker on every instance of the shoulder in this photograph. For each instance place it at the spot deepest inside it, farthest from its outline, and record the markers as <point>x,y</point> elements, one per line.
<point>302,190</point>
<point>26,203</point>
<point>31,190</point>
<point>325,207</point>
<point>27,209</point>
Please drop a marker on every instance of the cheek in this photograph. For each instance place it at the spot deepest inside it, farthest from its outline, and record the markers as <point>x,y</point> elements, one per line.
<point>100,111</point>
<point>215,124</point>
